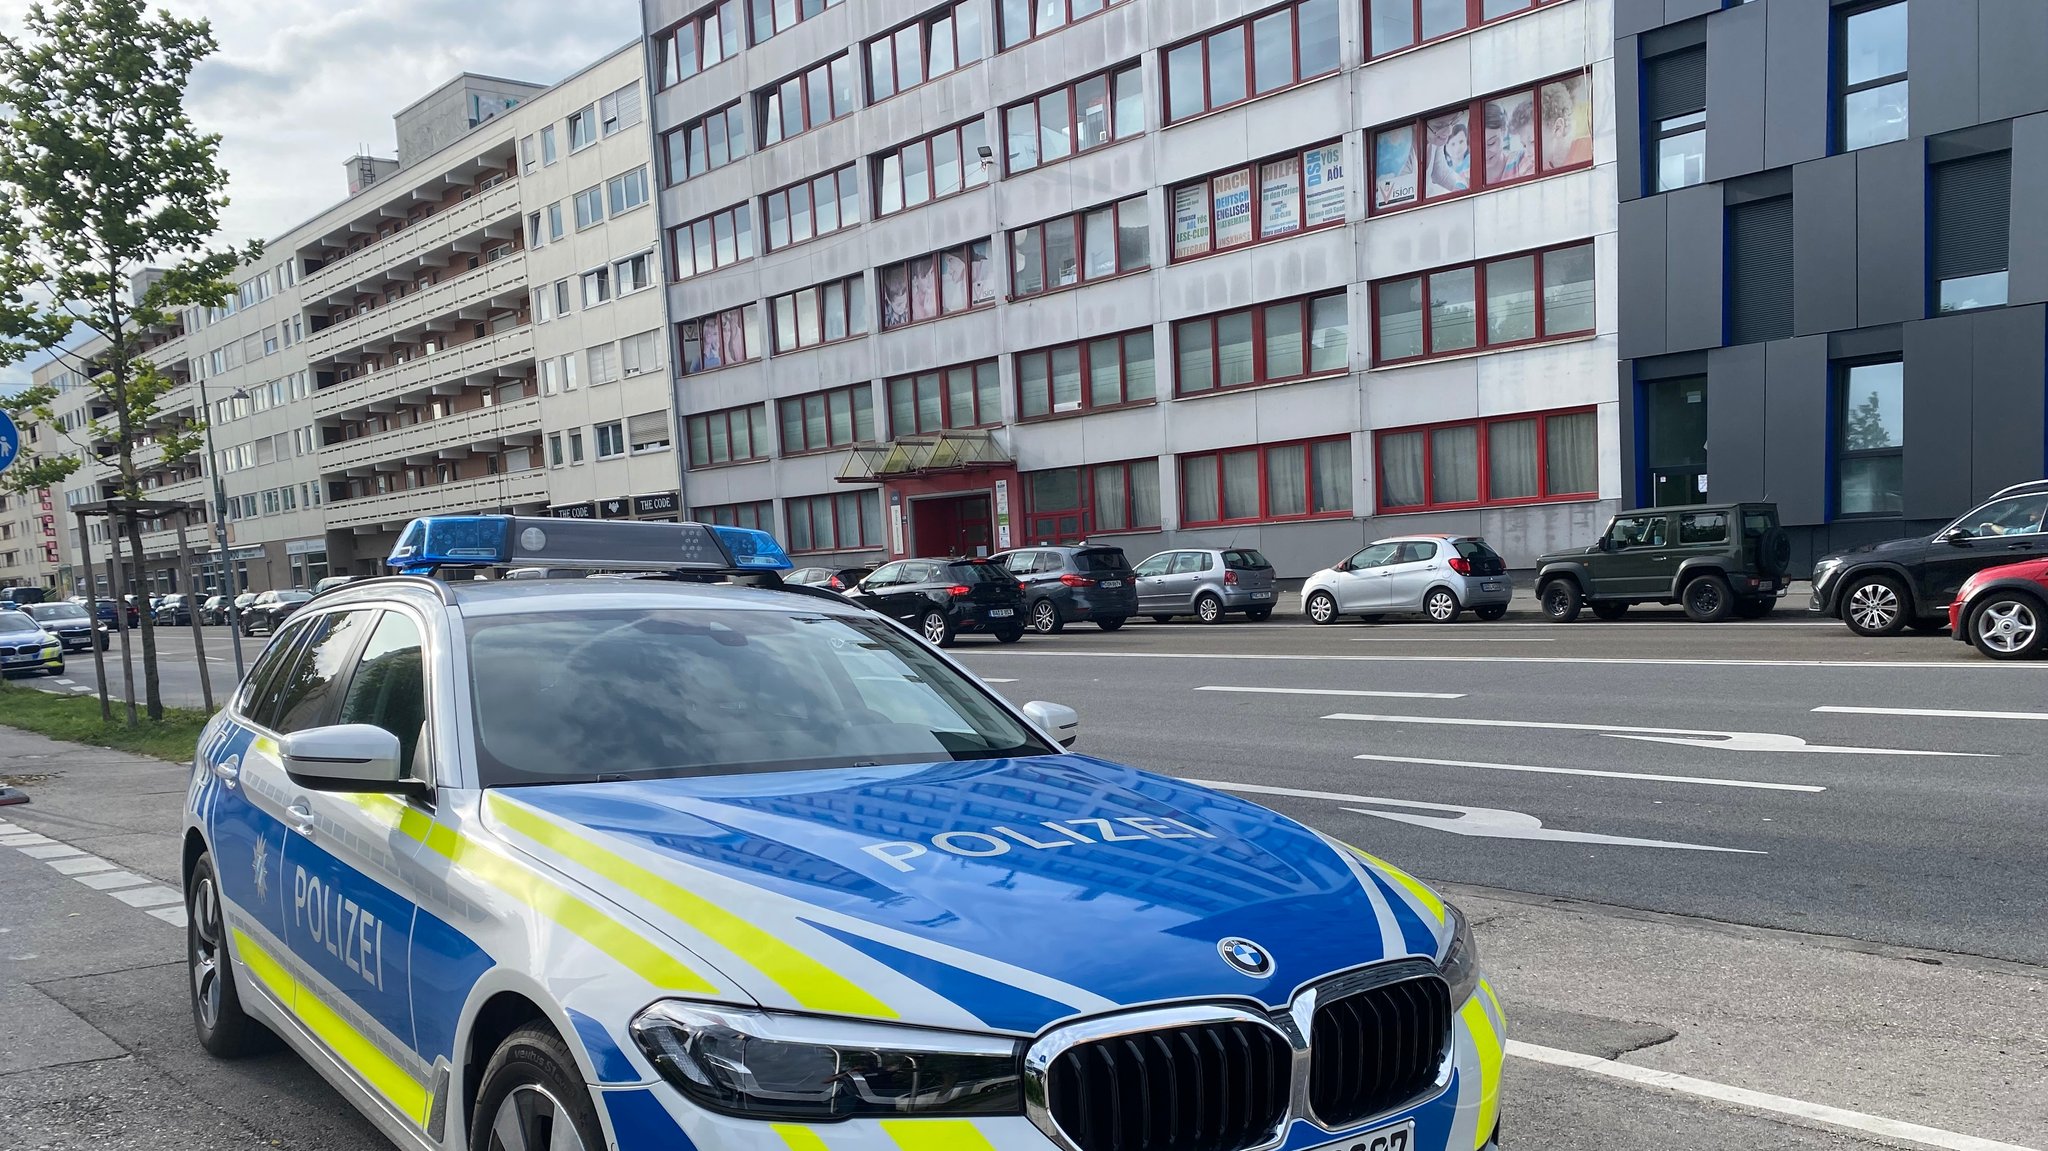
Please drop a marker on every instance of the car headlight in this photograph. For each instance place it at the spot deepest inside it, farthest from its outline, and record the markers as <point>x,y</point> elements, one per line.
<point>762,1065</point>
<point>1460,962</point>
<point>1824,568</point>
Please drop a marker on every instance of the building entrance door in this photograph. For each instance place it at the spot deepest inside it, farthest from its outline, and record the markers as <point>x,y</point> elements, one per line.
<point>952,526</point>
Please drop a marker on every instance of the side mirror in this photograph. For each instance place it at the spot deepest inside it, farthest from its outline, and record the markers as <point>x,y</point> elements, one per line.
<point>1606,544</point>
<point>349,758</point>
<point>1342,566</point>
<point>1958,537</point>
<point>1063,722</point>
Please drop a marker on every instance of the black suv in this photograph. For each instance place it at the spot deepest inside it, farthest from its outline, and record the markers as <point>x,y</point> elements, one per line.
<point>1879,589</point>
<point>1064,585</point>
<point>940,599</point>
<point>1715,560</point>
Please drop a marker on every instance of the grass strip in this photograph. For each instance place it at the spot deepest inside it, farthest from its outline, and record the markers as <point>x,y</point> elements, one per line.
<point>76,719</point>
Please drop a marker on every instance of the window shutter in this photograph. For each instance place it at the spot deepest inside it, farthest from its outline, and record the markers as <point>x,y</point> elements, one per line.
<point>647,428</point>
<point>1972,215</point>
<point>1677,84</point>
<point>1760,271</point>
<point>608,110</point>
<point>626,102</point>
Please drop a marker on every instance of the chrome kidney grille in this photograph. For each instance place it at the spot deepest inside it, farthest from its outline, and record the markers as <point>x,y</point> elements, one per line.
<point>1203,1087</point>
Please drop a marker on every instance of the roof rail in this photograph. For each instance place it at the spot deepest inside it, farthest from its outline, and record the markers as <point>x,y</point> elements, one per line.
<point>2017,488</point>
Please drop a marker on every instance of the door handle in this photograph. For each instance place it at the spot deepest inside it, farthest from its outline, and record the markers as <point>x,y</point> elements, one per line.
<point>300,816</point>
<point>228,771</point>
<point>2019,547</point>
<point>1659,559</point>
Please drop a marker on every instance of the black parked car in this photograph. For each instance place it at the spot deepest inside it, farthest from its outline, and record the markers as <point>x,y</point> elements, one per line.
<point>174,610</point>
<point>941,599</point>
<point>70,624</point>
<point>1064,585</point>
<point>271,608</point>
<point>1880,589</point>
<point>835,579</point>
<point>214,609</point>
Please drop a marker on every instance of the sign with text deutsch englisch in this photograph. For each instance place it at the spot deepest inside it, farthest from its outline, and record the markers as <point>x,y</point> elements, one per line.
<point>10,441</point>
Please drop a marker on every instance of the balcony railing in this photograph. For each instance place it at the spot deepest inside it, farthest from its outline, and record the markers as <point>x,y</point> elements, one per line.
<point>521,417</point>
<point>436,230</point>
<point>444,366</point>
<point>471,287</point>
<point>508,490</point>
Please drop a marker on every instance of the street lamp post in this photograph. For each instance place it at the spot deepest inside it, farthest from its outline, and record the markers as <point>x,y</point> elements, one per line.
<point>225,583</point>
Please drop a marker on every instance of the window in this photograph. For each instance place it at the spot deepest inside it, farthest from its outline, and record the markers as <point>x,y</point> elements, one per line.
<point>772,17</point>
<point>589,207</point>
<point>1246,60</point>
<point>1870,76</point>
<point>619,110</point>
<point>555,450</point>
<point>543,305</point>
<point>627,192</point>
<point>533,232</point>
<point>634,273</point>
<point>1069,504</point>
<point>548,154</point>
<point>703,144</point>
<point>1759,245</point>
<point>720,340</point>
<point>1094,245</point>
<point>1108,372</point>
<point>1514,300</point>
<point>1024,20</point>
<point>924,50</point>
<point>528,161</point>
<point>640,353</point>
<point>966,396</point>
<point>1972,231</point>
<point>555,229</point>
<point>846,521</point>
<point>941,284</point>
<point>820,315</point>
<point>1266,201</point>
<point>388,688</point>
<point>729,437</point>
<point>1276,482</point>
<point>1517,136</point>
<point>823,421</point>
<point>1675,91</point>
<point>1267,344</point>
<point>807,100</point>
<point>709,37</point>
<point>568,363</point>
<point>1870,438</point>
<point>562,297</point>
<point>611,440</point>
<point>816,207</point>
<point>713,242</point>
<point>582,128</point>
<point>1393,24</point>
<point>604,364</point>
<point>758,516</point>
<point>575,448</point>
<point>1514,459</point>
<point>647,433</point>
<point>308,693</point>
<point>1079,118</point>
<point>939,165</point>
<point>597,287</point>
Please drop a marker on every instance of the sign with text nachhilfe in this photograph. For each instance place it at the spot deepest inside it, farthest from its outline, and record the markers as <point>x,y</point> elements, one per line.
<point>10,441</point>
<point>665,504</point>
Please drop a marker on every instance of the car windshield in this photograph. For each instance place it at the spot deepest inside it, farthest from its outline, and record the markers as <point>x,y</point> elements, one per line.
<point>695,692</point>
<point>294,596</point>
<point>57,613</point>
<point>17,623</point>
<point>1102,560</point>
<point>1245,559</point>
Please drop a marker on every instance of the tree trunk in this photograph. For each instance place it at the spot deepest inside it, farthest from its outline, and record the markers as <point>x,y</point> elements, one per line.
<point>131,489</point>
<point>150,692</point>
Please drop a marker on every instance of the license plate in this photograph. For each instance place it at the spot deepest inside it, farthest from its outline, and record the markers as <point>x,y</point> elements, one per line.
<point>1262,595</point>
<point>1399,1137</point>
<point>1768,585</point>
<point>1110,583</point>
<point>22,659</point>
<point>1489,586</point>
<point>1001,612</point>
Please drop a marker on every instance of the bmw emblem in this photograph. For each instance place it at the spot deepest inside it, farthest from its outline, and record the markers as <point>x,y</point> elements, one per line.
<point>1247,957</point>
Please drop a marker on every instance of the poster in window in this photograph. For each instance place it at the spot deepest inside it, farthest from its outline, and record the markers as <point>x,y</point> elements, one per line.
<point>1567,123</point>
<point>693,349</point>
<point>1232,193</point>
<point>924,288</point>
<point>1280,197</point>
<point>1323,172</point>
<point>1190,221</point>
<point>1393,168</point>
<point>1510,137</point>
<point>895,296</point>
<point>734,323</point>
<point>953,282</point>
<point>984,273</point>
<point>714,345</point>
<point>1447,143</point>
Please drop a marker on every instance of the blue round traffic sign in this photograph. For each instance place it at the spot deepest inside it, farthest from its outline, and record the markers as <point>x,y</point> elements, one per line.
<point>10,441</point>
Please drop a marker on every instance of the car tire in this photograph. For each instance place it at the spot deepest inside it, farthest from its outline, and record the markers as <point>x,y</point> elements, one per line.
<point>1259,614</point>
<point>53,672</point>
<point>1608,610</point>
<point>1755,607</point>
<point>1208,608</point>
<point>935,629</point>
<point>532,1084</point>
<point>1707,599</point>
<point>2009,625</point>
<point>1110,624</point>
<point>1045,618</point>
<point>225,1030</point>
<point>1875,606</point>
<point>1162,619</point>
<point>1441,605</point>
<point>1562,600</point>
<point>1321,607</point>
<point>1009,635</point>
<point>1491,612</point>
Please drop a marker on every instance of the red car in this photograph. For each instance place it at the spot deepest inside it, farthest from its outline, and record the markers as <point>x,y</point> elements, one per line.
<point>2003,610</point>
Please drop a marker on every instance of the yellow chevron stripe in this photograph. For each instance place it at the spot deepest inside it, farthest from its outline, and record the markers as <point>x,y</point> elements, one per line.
<point>936,1135</point>
<point>349,1045</point>
<point>1424,895</point>
<point>1488,1043</point>
<point>809,982</point>
<point>798,1138</point>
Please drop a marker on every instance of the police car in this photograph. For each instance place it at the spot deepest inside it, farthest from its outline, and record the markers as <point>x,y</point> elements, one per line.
<point>661,864</point>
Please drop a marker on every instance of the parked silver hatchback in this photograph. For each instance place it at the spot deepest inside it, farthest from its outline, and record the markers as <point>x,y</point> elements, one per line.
<point>1207,583</point>
<point>1437,576</point>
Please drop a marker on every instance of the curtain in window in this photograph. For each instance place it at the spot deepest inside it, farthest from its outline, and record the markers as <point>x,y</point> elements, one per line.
<point>1032,395</point>
<point>1401,470</point>
<point>1454,465</point>
<point>1234,349</point>
<point>1283,341</point>
<point>1329,331</point>
<point>1066,379</point>
<point>1287,481</point>
<point>1144,485</point>
<point>1105,382</point>
<point>1572,445</point>
<point>1111,495</point>
<point>1511,460</point>
<point>1330,469</point>
<point>1241,485</point>
<point>871,518</point>
<point>1138,371</point>
<point>1199,496</point>
<point>1055,491</point>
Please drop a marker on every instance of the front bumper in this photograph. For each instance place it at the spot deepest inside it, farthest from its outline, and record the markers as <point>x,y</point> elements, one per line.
<point>46,661</point>
<point>1825,587</point>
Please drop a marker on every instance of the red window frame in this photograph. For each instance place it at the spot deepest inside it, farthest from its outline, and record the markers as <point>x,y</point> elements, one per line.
<point>1034,234</point>
<point>755,8</point>
<point>803,81</point>
<point>667,64</point>
<point>925,26</point>
<point>908,268</point>
<point>1475,131</point>
<point>949,419</point>
<point>1263,452</point>
<point>679,138</point>
<point>832,506</point>
<point>736,221</point>
<point>1255,184</point>
<point>1257,312</point>
<point>752,417</point>
<point>846,189</point>
<point>1244,28</point>
<point>1480,342</point>
<point>758,515</point>
<point>1030,9</point>
<point>1483,480</point>
<point>853,290</point>
<point>1475,17</point>
<point>858,398</point>
<point>1084,353</point>
<point>1086,512</point>
<point>728,321</point>
<point>1072,92</point>
<point>968,138</point>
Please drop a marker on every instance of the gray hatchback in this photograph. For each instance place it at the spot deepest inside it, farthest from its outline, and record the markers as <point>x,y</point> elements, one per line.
<point>1207,583</point>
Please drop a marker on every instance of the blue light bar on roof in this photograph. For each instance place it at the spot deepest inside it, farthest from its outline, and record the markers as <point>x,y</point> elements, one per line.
<point>585,545</point>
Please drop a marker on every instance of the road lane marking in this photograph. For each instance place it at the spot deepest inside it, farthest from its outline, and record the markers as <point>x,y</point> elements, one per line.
<point>24,839</point>
<point>1610,661</point>
<point>1758,1100</point>
<point>50,851</point>
<point>143,898</point>
<point>109,880</point>
<point>1934,713</point>
<point>1334,691</point>
<point>79,865</point>
<point>1450,639</point>
<point>1707,780</point>
<point>993,680</point>
<point>175,916</point>
<point>1684,737</point>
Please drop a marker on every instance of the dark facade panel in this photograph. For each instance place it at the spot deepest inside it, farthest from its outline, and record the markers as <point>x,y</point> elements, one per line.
<point>1891,219</point>
<point>1641,274</point>
<point>1628,116</point>
<point>2012,41</point>
<point>1941,63</point>
<point>2027,280</point>
<point>1694,255</point>
<point>1938,464</point>
<point>1735,422</point>
<point>1795,86</point>
<point>1676,10</point>
<point>1633,16</point>
<point>1735,93</point>
<point>1824,245</point>
<point>2008,398</point>
<point>1795,421</point>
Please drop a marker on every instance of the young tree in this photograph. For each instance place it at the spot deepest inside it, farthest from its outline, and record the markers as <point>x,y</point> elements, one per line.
<point>102,175</point>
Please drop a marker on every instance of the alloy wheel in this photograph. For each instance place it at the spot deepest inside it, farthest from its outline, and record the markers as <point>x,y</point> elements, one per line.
<point>935,628</point>
<point>1874,606</point>
<point>1045,617</point>
<point>206,954</point>
<point>2008,627</point>
<point>532,1119</point>
<point>1321,608</point>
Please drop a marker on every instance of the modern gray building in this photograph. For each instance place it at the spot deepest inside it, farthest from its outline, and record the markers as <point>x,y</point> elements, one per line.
<point>1831,294</point>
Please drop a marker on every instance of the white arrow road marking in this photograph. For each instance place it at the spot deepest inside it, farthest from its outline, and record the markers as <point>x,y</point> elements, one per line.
<point>1685,737</point>
<point>1334,691</point>
<point>1482,822</point>
<point>1759,786</point>
<point>1934,713</point>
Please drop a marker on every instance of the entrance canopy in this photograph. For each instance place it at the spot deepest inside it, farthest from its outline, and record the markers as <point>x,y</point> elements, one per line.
<point>924,456</point>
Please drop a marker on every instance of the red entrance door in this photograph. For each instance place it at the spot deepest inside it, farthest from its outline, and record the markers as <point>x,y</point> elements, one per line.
<point>951,526</point>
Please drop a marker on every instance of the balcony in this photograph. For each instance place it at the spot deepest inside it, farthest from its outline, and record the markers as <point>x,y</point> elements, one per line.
<point>436,231</point>
<point>514,489</point>
<point>520,419</point>
<point>505,278</point>
<point>442,373</point>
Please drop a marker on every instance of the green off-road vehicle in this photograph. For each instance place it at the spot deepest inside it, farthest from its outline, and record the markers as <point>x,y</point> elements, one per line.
<point>1715,560</point>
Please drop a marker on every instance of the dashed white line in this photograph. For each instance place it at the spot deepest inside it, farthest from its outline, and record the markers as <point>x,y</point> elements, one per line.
<point>155,895</point>
<point>1861,665</point>
<point>1934,713</point>
<point>1336,692</point>
<point>50,851</point>
<point>1683,737</point>
<point>174,915</point>
<point>24,839</point>
<point>110,880</point>
<point>79,865</point>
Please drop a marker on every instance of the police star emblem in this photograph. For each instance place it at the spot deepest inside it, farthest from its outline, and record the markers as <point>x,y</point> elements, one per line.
<point>259,863</point>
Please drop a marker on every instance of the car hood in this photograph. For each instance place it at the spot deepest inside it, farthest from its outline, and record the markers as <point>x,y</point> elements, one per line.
<point>1906,550</point>
<point>1567,556</point>
<point>1002,894</point>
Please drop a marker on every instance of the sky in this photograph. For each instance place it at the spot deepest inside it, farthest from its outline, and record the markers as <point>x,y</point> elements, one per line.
<point>299,86</point>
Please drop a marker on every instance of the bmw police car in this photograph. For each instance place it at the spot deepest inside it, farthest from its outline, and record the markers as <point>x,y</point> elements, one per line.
<point>660,864</point>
